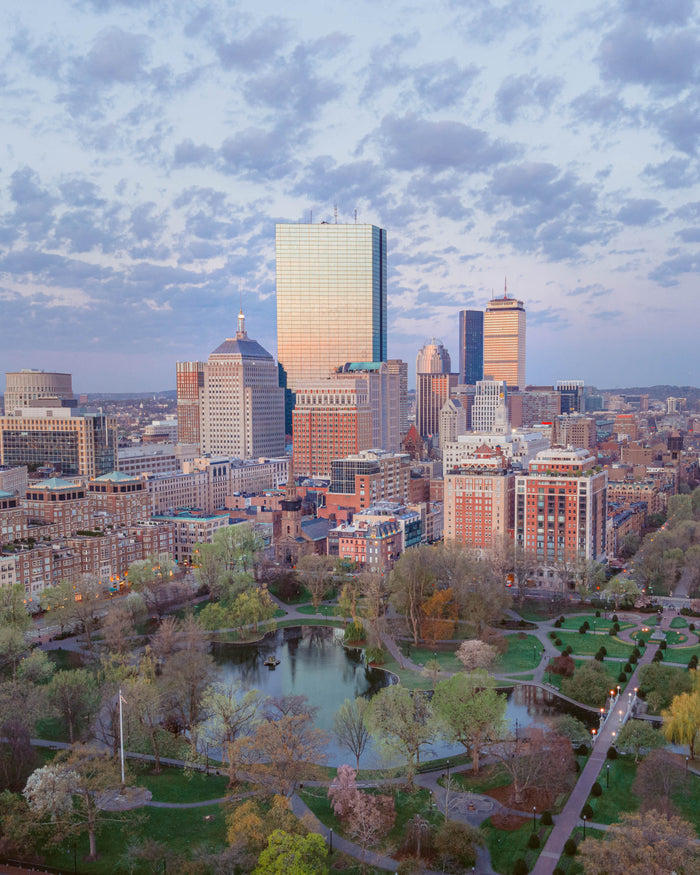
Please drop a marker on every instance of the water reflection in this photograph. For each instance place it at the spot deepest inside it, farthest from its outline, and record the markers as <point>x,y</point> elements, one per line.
<point>314,663</point>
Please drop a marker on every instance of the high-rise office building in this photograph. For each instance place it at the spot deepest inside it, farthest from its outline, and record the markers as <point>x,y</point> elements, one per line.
<point>190,382</point>
<point>572,393</point>
<point>27,385</point>
<point>433,384</point>
<point>384,393</point>
<point>433,358</point>
<point>396,366</point>
<point>331,298</point>
<point>242,411</point>
<point>471,346</point>
<point>490,408</point>
<point>504,341</point>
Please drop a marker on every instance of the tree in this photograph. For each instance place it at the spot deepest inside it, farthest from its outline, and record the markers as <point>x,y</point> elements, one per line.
<point>239,546</point>
<point>636,736</point>
<point>117,629</point>
<point>21,705</point>
<point>315,572</point>
<point>370,818</point>
<point>475,654</point>
<point>13,646</point>
<point>541,760</point>
<point>230,713</point>
<point>13,610</point>
<point>469,711</point>
<point>439,616</point>
<point>662,684</point>
<point>56,601</point>
<point>280,752</point>
<point>350,726</point>
<point>287,854</point>
<point>85,607</point>
<point>572,728</point>
<point>411,584</point>
<point>67,792</point>
<point>209,568</point>
<point>658,778</point>
<point>252,607</point>
<point>152,579</point>
<point>401,722</point>
<point>36,668</point>
<point>682,720</point>
<point>642,844</point>
<point>589,684</point>
<point>343,791</point>
<point>620,588</point>
<point>456,843</point>
<point>75,696</point>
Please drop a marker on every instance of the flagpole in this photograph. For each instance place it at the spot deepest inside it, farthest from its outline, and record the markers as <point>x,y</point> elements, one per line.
<point>121,734</point>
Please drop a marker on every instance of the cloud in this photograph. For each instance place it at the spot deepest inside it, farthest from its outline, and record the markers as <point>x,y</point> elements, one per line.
<point>520,92</point>
<point>256,49</point>
<point>668,272</point>
<point>412,143</point>
<point>328,182</point>
<point>595,290</point>
<point>255,153</point>
<point>597,107</point>
<point>666,13</point>
<point>551,212</point>
<point>489,20</point>
<point>187,152</point>
<point>629,54</point>
<point>680,124</point>
<point>673,173</point>
<point>639,211</point>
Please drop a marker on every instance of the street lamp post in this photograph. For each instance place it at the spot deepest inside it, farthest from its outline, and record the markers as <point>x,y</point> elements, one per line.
<point>686,765</point>
<point>584,826</point>
<point>607,776</point>
<point>534,822</point>
<point>330,837</point>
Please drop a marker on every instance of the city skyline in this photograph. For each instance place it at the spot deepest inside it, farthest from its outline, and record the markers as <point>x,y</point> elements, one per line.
<point>151,148</point>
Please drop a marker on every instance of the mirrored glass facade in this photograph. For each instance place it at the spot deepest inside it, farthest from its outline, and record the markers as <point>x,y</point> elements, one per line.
<point>331,298</point>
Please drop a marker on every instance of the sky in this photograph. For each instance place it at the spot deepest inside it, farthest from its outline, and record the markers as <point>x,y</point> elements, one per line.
<point>149,146</point>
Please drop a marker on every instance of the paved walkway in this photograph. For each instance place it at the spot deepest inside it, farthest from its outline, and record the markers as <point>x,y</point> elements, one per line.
<point>570,818</point>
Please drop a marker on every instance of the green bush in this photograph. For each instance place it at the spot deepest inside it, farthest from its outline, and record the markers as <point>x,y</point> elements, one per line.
<point>663,644</point>
<point>354,632</point>
<point>596,789</point>
<point>633,658</point>
<point>612,632</point>
<point>627,668</point>
<point>587,811</point>
<point>520,867</point>
<point>597,613</point>
<point>375,655</point>
<point>534,841</point>
<point>658,657</point>
<point>581,630</point>
<point>599,657</point>
<point>558,871</point>
<point>582,750</point>
<point>612,753</point>
<point>692,627</point>
<point>557,624</point>
<point>570,848</point>
<point>546,819</point>
<point>568,650</point>
<point>557,641</point>
<point>614,618</point>
<point>622,677</point>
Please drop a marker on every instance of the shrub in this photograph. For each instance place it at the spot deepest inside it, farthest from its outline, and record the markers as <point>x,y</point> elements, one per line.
<point>577,767</point>
<point>597,613</point>
<point>612,632</point>
<point>693,662</point>
<point>562,618</point>
<point>534,841</point>
<point>614,618</point>
<point>657,657</point>
<point>582,750</point>
<point>692,627</point>
<point>599,656</point>
<point>633,659</point>
<point>612,753</point>
<point>587,811</point>
<point>553,635</point>
<point>558,871</point>
<point>596,789</point>
<point>546,819</point>
<point>622,677</point>
<point>616,627</point>
<point>568,650</point>
<point>563,665</point>
<point>603,649</point>
<point>557,641</point>
<point>581,630</point>
<point>520,867</point>
<point>375,655</point>
<point>663,644</point>
<point>570,847</point>
<point>354,632</point>
<point>557,624</point>
<point>636,652</point>
<point>627,668</point>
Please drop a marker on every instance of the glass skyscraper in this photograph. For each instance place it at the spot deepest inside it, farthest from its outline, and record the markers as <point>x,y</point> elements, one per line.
<point>471,346</point>
<point>331,298</point>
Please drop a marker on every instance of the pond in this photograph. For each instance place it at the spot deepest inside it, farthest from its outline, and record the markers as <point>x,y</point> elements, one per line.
<point>314,663</point>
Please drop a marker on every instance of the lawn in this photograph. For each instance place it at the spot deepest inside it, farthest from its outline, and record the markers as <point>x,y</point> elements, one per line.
<point>422,655</point>
<point>324,610</point>
<point>673,637</point>
<point>523,654</point>
<point>589,644</point>
<point>65,659</point>
<point>177,785</point>
<point>679,623</point>
<point>52,729</point>
<point>507,846</point>
<point>180,830</point>
<point>489,777</point>
<point>682,654</point>
<point>412,680</point>
<point>600,623</point>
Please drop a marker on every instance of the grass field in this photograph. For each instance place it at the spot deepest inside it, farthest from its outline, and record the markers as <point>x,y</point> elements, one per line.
<point>682,654</point>
<point>588,644</point>
<point>679,623</point>
<point>323,610</point>
<point>612,668</point>
<point>176,785</point>
<point>507,846</point>
<point>674,637</point>
<point>601,624</point>
<point>523,654</point>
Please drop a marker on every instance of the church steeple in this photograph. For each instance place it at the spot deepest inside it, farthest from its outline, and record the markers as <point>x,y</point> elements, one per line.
<point>240,328</point>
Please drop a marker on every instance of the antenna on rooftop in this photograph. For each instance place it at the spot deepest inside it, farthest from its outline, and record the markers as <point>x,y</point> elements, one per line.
<point>356,215</point>
<point>505,288</point>
<point>311,217</point>
<point>335,211</point>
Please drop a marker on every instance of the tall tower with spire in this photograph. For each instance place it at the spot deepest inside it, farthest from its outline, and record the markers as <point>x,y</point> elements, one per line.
<point>242,410</point>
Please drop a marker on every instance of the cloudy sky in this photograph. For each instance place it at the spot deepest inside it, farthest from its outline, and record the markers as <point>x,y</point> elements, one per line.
<point>149,146</point>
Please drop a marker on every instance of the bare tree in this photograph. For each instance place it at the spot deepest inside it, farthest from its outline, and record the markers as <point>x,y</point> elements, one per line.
<point>541,760</point>
<point>350,726</point>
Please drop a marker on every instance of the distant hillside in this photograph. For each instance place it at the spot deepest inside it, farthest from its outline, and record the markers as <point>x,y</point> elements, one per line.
<point>661,393</point>
<point>166,395</point>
